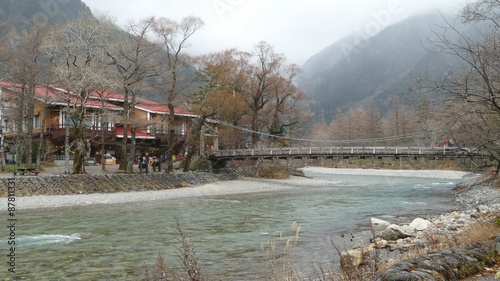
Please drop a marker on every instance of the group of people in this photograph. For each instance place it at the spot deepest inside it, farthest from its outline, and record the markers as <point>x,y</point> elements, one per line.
<point>144,161</point>
<point>451,143</point>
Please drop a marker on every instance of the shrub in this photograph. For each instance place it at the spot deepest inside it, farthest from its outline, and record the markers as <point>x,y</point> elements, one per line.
<point>200,164</point>
<point>272,172</point>
<point>9,168</point>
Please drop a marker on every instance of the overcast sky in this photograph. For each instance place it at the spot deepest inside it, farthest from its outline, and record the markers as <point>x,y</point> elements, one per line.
<point>296,28</point>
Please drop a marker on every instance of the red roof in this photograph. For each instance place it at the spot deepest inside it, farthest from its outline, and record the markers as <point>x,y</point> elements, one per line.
<point>141,103</point>
<point>138,134</point>
<point>60,96</point>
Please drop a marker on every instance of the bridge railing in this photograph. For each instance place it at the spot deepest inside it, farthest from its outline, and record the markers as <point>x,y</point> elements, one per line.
<point>318,151</point>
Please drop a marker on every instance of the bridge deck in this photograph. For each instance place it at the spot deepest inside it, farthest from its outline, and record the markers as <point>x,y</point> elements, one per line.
<point>345,152</point>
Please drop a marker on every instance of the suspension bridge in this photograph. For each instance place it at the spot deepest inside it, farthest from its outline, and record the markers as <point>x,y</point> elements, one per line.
<point>354,149</point>
<point>347,152</point>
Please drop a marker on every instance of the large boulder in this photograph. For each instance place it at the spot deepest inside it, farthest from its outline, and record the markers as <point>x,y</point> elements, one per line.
<point>354,257</point>
<point>420,224</point>
<point>394,232</point>
<point>379,225</point>
<point>453,264</point>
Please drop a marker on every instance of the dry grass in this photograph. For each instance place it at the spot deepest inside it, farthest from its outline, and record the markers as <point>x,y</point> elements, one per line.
<point>187,257</point>
<point>283,265</point>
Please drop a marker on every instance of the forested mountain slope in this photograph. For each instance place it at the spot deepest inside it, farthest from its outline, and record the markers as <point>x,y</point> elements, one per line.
<point>346,75</point>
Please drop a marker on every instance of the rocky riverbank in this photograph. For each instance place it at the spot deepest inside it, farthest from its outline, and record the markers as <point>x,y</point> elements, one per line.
<point>481,202</point>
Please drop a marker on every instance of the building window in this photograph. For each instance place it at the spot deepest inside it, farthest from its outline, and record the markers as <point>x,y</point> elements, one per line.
<point>36,121</point>
<point>62,119</point>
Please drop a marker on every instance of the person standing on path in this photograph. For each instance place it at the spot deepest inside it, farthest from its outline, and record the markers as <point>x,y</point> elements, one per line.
<point>146,162</point>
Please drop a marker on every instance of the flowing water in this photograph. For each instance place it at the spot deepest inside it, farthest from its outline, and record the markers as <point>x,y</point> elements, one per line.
<point>231,233</point>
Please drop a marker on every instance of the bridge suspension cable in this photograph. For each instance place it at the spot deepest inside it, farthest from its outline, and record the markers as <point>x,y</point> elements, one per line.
<point>372,140</point>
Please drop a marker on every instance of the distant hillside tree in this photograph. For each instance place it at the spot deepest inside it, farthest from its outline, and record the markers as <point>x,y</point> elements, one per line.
<point>399,122</point>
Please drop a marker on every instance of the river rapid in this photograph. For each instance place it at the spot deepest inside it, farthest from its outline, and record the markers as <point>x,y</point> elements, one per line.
<point>231,232</point>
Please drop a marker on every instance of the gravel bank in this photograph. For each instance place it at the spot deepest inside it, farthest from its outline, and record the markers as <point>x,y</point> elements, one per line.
<point>438,174</point>
<point>240,186</point>
<point>211,189</point>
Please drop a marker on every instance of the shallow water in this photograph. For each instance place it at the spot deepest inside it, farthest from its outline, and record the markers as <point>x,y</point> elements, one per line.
<point>112,242</point>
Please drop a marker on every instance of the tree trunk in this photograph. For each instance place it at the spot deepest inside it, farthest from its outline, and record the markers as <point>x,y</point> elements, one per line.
<point>41,142</point>
<point>103,148</point>
<point>255,135</point>
<point>130,166</point>
<point>80,149</point>
<point>29,132</point>
<point>66,142</point>
<point>196,132</point>
<point>171,139</point>
<point>126,108</point>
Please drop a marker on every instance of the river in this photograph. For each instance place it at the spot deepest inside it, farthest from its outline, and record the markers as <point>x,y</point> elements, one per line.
<point>231,233</point>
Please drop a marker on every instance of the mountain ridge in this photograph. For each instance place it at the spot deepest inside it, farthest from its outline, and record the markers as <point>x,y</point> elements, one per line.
<point>377,68</point>
<point>20,13</point>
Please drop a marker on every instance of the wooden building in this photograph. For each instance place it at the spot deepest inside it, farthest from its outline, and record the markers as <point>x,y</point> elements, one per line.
<point>104,120</point>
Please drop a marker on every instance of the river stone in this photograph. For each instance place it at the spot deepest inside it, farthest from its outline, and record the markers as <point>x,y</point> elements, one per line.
<point>453,215</point>
<point>392,233</point>
<point>450,264</point>
<point>420,224</point>
<point>355,256</point>
<point>379,225</point>
<point>439,223</point>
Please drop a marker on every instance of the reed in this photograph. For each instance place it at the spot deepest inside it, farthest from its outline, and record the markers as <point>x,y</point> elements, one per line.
<point>190,268</point>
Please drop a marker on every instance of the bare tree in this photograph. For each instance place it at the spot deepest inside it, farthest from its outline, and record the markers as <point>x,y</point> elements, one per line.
<point>286,112</point>
<point>374,128</point>
<point>79,53</point>
<point>471,92</point>
<point>399,121</point>
<point>173,37</point>
<point>135,58</point>
<point>26,64</point>
<point>258,93</point>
